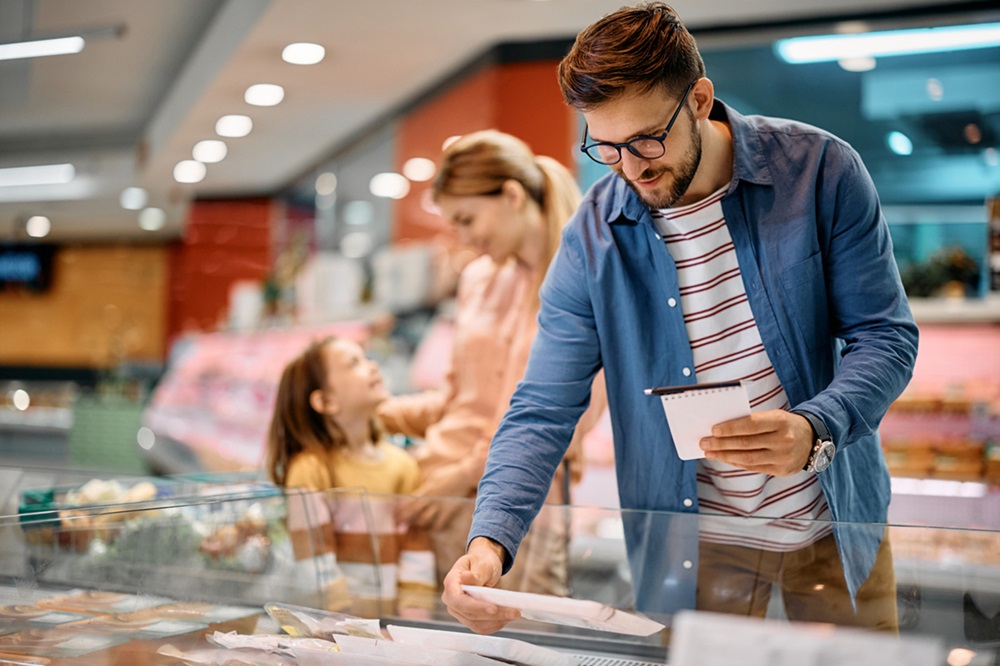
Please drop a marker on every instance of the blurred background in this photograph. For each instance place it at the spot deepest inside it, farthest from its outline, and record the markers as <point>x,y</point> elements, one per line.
<point>192,190</point>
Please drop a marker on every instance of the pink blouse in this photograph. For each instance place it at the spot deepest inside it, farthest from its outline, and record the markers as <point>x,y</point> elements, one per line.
<point>495,323</point>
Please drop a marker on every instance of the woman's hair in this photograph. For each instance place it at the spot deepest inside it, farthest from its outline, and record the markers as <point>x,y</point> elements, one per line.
<point>295,425</point>
<point>633,50</point>
<point>478,164</point>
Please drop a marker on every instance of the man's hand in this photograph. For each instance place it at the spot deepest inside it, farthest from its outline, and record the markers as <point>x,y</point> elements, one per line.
<point>481,565</point>
<point>774,442</point>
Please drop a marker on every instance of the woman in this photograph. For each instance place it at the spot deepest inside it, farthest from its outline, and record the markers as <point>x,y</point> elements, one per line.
<point>510,205</point>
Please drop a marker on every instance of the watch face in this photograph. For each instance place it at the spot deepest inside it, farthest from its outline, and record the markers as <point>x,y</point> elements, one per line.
<point>824,456</point>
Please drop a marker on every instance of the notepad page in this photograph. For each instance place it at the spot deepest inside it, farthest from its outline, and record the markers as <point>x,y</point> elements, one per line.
<point>692,413</point>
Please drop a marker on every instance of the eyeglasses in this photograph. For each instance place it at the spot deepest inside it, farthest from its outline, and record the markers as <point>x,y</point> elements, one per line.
<point>643,147</point>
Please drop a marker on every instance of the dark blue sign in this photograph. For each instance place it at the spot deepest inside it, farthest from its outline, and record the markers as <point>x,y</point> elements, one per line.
<point>26,266</point>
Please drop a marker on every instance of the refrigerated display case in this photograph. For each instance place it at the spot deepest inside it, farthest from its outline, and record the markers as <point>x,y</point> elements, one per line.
<point>152,580</point>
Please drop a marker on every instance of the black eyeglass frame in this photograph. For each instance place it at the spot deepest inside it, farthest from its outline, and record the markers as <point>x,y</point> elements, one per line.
<point>585,148</point>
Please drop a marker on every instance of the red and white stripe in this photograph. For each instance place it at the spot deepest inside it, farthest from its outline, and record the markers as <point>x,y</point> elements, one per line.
<point>737,507</point>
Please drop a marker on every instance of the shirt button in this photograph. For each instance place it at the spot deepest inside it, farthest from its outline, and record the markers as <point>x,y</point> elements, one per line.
<point>687,501</point>
<point>686,372</point>
<point>688,564</point>
<point>672,302</point>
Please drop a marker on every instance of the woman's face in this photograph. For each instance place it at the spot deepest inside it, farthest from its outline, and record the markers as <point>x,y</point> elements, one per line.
<point>492,225</point>
<point>354,380</point>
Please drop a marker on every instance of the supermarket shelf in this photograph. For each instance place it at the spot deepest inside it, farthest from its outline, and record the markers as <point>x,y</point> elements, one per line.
<point>955,311</point>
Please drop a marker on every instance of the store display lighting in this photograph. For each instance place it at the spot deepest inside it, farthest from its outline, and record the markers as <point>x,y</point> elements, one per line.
<point>826,48</point>
<point>210,151</point>
<point>264,94</point>
<point>47,174</point>
<point>38,226</point>
<point>303,53</point>
<point>39,48</point>
<point>233,126</point>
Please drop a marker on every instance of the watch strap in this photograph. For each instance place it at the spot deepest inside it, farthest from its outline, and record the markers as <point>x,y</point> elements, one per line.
<point>820,430</point>
<point>822,436</point>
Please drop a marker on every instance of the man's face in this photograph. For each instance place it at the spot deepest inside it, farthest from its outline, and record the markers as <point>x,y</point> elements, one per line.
<point>660,182</point>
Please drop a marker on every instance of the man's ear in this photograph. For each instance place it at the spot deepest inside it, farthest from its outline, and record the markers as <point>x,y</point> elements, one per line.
<point>322,403</point>
<point>703,94</point>
<point>513,193</point>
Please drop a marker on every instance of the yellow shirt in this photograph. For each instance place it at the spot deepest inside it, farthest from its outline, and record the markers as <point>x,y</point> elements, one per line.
<point>396,473</point>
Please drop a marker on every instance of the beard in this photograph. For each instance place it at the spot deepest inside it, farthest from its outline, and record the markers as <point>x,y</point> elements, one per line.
<point>682,174</point>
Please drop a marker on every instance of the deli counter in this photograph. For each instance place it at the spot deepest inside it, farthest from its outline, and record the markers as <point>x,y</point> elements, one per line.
<point>231,570</point>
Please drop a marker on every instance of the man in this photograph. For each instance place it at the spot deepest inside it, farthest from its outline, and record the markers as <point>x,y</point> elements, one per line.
<point>722,248</point>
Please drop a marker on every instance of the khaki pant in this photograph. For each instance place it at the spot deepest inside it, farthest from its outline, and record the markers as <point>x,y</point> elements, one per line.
<point>738,580</point>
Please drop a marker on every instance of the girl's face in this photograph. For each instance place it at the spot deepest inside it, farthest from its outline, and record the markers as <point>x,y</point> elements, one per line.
<point>494,224</point>
<point>353,381</point>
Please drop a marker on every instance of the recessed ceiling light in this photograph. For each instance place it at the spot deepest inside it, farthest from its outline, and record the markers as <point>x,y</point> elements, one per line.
<point>152,219</point>
<point>38,226</point>
<point>133,198</point>
<point>209,151</point>
<point>303,53</point>
<point>46,174</point>
<point>326,183</point>
<point>233,126</point>
<point>264,94</point>
<point>389,185</point>
<point>419,169</point>
<point>189,171</point>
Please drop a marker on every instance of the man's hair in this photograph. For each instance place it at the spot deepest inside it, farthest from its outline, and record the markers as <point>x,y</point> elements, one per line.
<point>631,51</point>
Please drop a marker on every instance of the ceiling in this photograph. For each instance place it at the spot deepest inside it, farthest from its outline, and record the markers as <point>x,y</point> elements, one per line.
<point>134,102</point>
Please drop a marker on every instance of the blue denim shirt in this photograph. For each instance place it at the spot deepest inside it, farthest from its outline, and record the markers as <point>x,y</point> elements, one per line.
<point>816,260</point>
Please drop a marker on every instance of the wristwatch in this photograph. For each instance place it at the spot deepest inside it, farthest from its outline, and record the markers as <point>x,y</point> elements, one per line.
<point>823,449</point>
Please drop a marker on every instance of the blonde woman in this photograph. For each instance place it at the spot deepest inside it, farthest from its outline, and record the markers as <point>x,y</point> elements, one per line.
<point>510,205</point>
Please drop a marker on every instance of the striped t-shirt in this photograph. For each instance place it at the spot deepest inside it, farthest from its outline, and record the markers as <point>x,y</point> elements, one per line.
<point>727,346</point>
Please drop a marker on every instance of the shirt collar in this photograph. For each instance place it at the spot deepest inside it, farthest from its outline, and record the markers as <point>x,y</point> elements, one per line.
<point>749,164</point>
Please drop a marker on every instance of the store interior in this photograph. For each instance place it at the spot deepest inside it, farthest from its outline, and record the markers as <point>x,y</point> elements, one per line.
<point>152,289</point>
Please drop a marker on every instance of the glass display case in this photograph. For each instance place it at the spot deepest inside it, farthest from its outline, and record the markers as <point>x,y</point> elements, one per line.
<point>151,577</point>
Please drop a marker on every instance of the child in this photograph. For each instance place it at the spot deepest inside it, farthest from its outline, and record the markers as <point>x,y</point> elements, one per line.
<point>324,435</point>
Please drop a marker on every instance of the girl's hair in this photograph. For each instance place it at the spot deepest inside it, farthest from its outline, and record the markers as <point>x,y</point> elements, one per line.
<point>635,49</point>
<point>295,425</point>
<point>478,164</point>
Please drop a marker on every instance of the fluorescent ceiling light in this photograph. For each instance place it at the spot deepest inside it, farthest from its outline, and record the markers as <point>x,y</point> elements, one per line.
<point>47,174</point>
<point>825,48</point>
<point>39,48</point>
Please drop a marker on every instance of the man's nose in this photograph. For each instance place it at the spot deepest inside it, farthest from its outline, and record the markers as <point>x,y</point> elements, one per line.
<point>633,166</point>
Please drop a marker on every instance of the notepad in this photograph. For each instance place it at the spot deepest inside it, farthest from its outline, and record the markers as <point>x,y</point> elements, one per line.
<point>691,412</point>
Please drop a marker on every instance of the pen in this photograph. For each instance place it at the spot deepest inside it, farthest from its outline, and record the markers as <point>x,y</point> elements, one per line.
<point>669,390</point>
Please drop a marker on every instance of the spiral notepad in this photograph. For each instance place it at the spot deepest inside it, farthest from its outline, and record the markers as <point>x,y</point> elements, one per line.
<point>691,412</point>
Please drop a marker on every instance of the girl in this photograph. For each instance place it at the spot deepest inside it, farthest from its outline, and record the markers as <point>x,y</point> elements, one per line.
<point>324,435</point>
